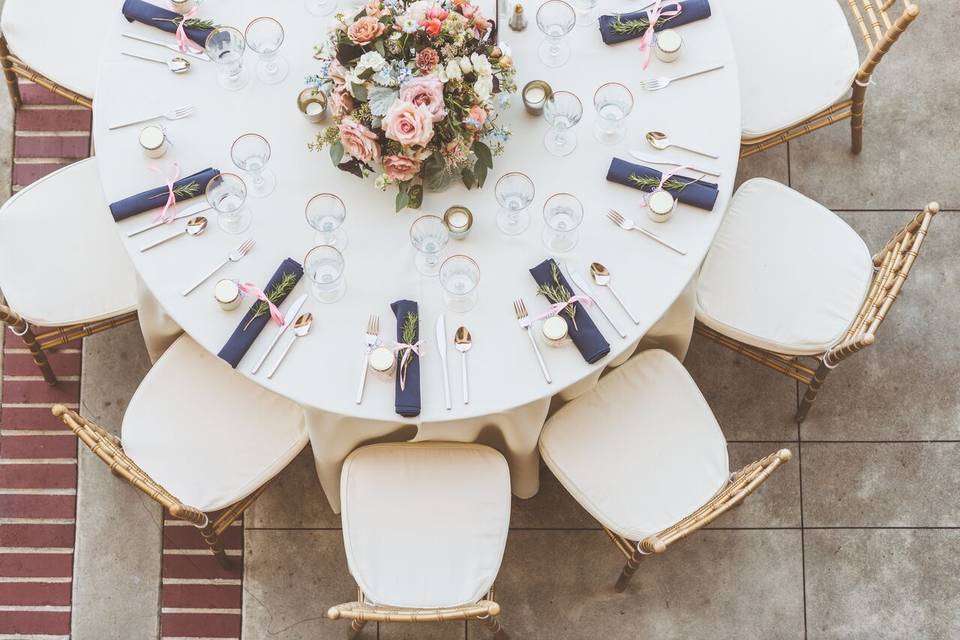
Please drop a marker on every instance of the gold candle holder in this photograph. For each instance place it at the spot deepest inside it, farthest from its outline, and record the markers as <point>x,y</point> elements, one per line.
<point>312,104</point>
<point>459,221</point>
<point>535,94</point>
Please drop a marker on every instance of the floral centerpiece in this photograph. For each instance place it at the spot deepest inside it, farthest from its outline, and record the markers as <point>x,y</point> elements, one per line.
<point>414,90</point>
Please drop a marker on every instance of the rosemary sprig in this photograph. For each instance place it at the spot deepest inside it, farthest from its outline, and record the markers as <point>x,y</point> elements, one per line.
<point>637,25</point>
<point>190,23</point>
<point>281,289</point>
<point>646,182</point>
<point>409,333</point>
<point>184,191</point>
<point>557,293</point>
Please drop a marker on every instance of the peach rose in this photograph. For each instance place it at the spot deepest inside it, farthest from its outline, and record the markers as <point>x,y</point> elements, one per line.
<point>341,102</point>
<point>375,9</point>
<point>431,26</point>
<point>358,141</point>
<point>401,168</point>
<point>365,30</point>
<point>409,124</point>
<point>426,91</point>
<point>337,73</point>
<point>477,114</point>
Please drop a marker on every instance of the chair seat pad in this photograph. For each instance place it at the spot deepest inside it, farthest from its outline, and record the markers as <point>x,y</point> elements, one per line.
<point>794,59</point>
<point>60,40</point>
<point>641,450</point>
<point>206,433</point>
<point>61,259</point>
<point>425,524</point>
<point>784,273</point>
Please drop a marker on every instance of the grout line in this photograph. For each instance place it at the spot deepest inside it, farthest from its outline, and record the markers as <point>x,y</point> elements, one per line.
<point>803,544</point>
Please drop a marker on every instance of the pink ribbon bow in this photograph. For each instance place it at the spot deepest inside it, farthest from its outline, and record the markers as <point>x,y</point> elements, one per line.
<point>183,42</point>
<point>171,203</point>
<point>645,197</point>
<point>250,289</point>
<point>555,309</point>
<point>654,14</point>
<point>408,350</point>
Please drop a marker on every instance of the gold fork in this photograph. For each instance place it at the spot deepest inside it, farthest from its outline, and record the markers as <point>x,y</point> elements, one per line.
<point>520,310</point>
<point>629,225</point>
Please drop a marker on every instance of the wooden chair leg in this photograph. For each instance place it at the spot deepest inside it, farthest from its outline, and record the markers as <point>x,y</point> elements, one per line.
<point>13,85</point>
<point>628,570</point>
<point>856,117</point>
<point>356,626</point>
<point>212,539</point>
<point>39,355</point>
<point>812,390</point>
<point>492,623</point>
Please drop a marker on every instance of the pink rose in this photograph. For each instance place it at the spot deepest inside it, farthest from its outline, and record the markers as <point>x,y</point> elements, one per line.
<point>341,102</point>
<point>337,73</point>
<point>375,9</point>
<point>365,30</point>
<point>436,12</point>
<point>409,124</point>
<point>401,168</point>
<point>432,26</point>
<point>426,91</point>
<point>477,115</point>
<point>358,141</point>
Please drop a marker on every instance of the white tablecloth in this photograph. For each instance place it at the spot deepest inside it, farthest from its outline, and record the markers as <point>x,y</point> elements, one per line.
<point>509,398</point>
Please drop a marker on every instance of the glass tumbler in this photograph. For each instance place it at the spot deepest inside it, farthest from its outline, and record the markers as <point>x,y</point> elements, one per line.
<point>265,36</point>
<point>459,277</point>
<point>324,266</point>
<point>562,214</point>
<point>225,46</point>
<point>326,213</point>
<point>587,12</point>
<point>227,194</point>
<point>562,111</point>
<point>251,153</point>
<point>429,237</point>
<point>613,103</point>
<point>555,19</point>
<point>514,193</point>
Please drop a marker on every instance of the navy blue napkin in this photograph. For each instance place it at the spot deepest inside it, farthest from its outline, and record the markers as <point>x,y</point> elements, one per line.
<point>692,11</point>
<point>159,17</point>
<point>155,198</point>
<point>407,401</point>
<point>697,194</point>
<point>587,338</point>
<point>243,337</point>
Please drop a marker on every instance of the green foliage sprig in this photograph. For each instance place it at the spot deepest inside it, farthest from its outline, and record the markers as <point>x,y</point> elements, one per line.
<point>277,293</point>
<point>184,191</point>
<point>646,182</point>
<point>409,335</point>
<point>190,23</point>
<point>635,26</point>
<point>557,293</point>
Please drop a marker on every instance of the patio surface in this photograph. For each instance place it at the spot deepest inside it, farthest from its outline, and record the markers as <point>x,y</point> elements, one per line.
<point>857,537</point>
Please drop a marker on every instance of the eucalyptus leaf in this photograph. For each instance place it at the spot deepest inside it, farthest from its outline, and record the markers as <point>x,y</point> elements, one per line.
<point>416,196</point>
<point>480,170</point>
<point>380,99</point>
<point>336,152</point>
<point>358,91</point>
<point>468,178</point>
<point>483,153</point>
<point>403,199</point>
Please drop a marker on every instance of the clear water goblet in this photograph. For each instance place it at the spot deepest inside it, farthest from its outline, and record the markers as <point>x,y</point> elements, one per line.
<point>321,7</point>
<point>251,153</point>
<point>613,103</point>
<point>555,19</point>
<point>514,193</point>
<point>429,237</point>
<point>562,111</point>
<point>225,46</point>
<point>265,36</point>
<point>562,214</point>
<point>325,213</point>
<point>227,194</point>
<point>587,12</point>
<point>324,266</point>
<point>459,278</point>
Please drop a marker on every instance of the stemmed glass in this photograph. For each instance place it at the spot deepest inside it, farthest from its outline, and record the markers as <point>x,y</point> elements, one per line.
<point>324,266</point>
<point>514,193</point>
<point>562,111</point>
<point>227,194</point>
<point>555,19</point>
<point>562,214</point>
<point>326,212</point>
<point>251,153</point>
<point>586,12</point>
<point>225,46</point>
<point>321,7</point>
<point>265,36</point>
<point>459,277</point>
<point>429,237</point>
<point>613,103</point>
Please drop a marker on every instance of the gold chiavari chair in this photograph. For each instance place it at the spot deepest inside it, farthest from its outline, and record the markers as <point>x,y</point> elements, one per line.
<point>644,455</point>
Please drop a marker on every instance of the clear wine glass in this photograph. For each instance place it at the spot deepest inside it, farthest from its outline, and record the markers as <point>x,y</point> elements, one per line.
<point>555,19</point>
<point>429,237</point>
<point>326,212</point>
<point>225,46</point>
<point>562,214</point>
<point>321,7</point>
<point>459,278</point>
<point>324,266</point>
<point>587,12</point>
<point>562,111</point>
<point>265,36</point>
<point>251,153</point>
<point>227,194</point>
<point>514,193</point>
<point>613,102</point>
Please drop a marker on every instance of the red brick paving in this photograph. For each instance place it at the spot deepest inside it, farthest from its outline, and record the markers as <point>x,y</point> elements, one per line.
<point>36,594</point>
<point>35,622</point>
<point>200,625</point>
<point>58,446</point>
<point>201,596</point>
<point>33,507</point>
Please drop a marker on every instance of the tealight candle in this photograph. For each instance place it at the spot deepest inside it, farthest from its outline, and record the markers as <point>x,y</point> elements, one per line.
<point>382,362</point>
<point>535,94</point>
<point>183,7</point>
<point>227,293</point>
<point>555,331</point>
<point>459,221</point>
<point>668,45</point>
<point>660,206</point>
<point>153,141</point>
<point>312,104</point>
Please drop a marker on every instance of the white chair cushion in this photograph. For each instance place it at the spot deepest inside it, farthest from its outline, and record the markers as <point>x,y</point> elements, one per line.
<point>794,59</point>
<point>784,273</point>
<point>61,259</point>
<point>425,524</point>
<point>206,433</point>
<point>640,451</point>
<point>60,40</point>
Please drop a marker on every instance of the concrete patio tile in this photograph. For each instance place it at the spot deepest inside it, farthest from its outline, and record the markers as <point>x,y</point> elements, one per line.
<point>777,502</point>
<point>117,555</point>
<point>772,164</point>
<point>750,401</point>
<point>290,580</point>
<point>907,385</point>
<point>293,501</point>
<point>882,584</point>
<point>910,123</point>
<point>881,484</point>
<point>6,142</point>
<point>428,631</point>
<point>552,508</point>
<point>559,584</point>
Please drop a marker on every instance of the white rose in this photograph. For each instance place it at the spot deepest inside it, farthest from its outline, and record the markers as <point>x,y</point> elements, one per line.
<point>484,87</point>
<point>465,65</point>
<point>481,64</point>
<point>371,60</point>
<point>453,71</point>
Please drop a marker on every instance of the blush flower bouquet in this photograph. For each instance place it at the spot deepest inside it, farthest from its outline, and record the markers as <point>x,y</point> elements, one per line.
<point>414,89</point>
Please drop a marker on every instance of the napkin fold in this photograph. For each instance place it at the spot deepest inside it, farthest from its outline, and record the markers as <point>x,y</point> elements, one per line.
<point>697,193</point>
<point>407,400</point>
<point>159,17</point>
<point>156,198</point>
<point>692,11</point>
<point>244,335</point>
<point>587,338</point>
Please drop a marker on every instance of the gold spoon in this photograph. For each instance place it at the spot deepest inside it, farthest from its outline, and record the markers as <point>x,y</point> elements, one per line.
<point>659,140</point>
<point>301,327</point>
<point>463,341</point>
<point>195,226</point>
<point>177,64</point>
<point>602,277</point>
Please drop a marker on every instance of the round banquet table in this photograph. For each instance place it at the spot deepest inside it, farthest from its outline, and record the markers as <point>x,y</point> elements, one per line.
<point>509,396</point>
